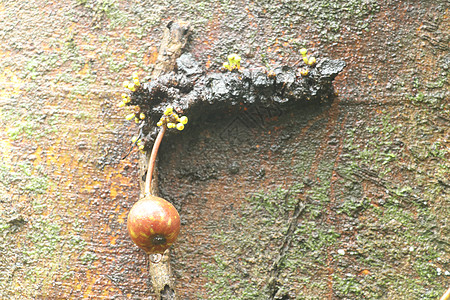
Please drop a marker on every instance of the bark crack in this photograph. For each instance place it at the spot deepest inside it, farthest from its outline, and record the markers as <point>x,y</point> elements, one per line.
<point>274,273</point>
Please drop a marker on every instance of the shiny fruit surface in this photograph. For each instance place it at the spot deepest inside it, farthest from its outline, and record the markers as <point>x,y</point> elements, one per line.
<point>153,224</point>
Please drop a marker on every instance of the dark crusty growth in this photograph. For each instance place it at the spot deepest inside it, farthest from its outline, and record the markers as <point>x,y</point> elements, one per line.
<point>193,92</point>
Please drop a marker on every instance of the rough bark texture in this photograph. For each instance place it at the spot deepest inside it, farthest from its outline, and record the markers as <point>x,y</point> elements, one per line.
<point>340,200</point>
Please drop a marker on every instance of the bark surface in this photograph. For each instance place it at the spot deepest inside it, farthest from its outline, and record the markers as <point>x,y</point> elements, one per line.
<point>343,199</point>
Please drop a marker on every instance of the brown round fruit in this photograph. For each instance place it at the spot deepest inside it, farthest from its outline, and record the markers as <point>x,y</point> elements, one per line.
<point>153,224</point>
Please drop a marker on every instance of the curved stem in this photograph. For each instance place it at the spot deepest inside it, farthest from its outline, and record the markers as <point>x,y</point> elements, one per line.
<point>152,160</point>
<point>446,296</point>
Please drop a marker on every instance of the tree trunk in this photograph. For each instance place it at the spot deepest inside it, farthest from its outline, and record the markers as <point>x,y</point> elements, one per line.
<point>338,198</point>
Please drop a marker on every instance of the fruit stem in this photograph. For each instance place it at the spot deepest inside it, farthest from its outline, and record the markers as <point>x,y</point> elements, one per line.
<point>152,160</point>
<point>446,296</point>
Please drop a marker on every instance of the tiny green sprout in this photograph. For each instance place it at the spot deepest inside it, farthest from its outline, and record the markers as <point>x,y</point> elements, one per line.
<point>121,104</point>
<point>311,61</point>
<point>303,52</point>
<point>126,83</point>
<point>180,126</point>
<point>183,120</point>
<point>142,116</point>
<point>130,117</point>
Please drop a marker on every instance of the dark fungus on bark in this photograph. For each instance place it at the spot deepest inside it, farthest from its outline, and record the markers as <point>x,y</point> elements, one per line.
<point>193,92</point>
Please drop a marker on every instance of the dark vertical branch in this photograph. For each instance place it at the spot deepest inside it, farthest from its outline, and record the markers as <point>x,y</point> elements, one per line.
<point>174,40</point>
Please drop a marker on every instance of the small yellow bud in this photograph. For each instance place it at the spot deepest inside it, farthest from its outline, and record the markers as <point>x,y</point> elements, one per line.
<point>303,51</point>
<point>171,125</point>
<point>305,60</point>
<point>136,82</point>
<point>141,147</point>
<point>136,120</point>
<point>121,104</point>
<point>183,120</point>
<point>126,83</point>
<point>159,124</point>
<point>168,111</point>
<point>127,100</point>
<point>134,139</point>
<point>130,117</point>
<point>124,95</point>
<point>311,61</point>
<point>142,116</point>
<point>135,75</point>
<point>231,58</point>
<point>304,72</point>
<point>233,62</point>
<point>131,87</point>
<point>180,126</point>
